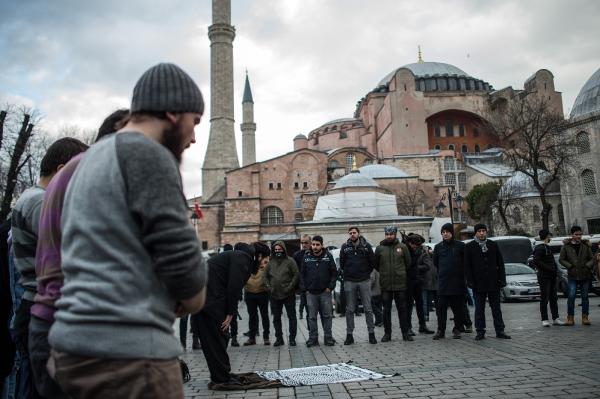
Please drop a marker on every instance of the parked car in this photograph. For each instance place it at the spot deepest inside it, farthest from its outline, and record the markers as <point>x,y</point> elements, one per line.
<point>521,283</point>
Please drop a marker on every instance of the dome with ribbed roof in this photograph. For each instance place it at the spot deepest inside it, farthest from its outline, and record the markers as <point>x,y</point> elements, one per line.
<point>379,171</point>
<point>355,179</point>
<point>588,99</point>
<point>426,69</point>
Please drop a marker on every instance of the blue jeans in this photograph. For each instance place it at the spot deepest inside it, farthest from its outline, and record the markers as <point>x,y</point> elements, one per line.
<point>584,286</point>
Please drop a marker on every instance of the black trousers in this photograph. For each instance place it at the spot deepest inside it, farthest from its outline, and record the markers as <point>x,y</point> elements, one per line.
<point>549,295</point>
<point>415,296</point>
<point>494,299</point>
<point>277,311</point>
<point>400,298</point>
<point>467,322</point>
<point>214,347</point>
<point>377,305</point>
<point>183,323</point>
<point>456,303</point>
<point>233,326</point>
<point>254,303</point>
<point>303,305</point>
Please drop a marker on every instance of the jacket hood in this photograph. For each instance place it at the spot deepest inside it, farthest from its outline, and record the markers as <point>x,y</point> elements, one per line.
<point>567,241</point>
<point>281,244</point>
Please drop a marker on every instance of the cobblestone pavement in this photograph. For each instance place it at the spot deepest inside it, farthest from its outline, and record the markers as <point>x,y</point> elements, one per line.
<point>555,362</point>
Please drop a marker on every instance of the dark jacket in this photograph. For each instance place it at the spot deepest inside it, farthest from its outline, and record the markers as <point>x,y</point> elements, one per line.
<point>427,273</point>
<point>357,262</point>
<point>228,272</point>
<point>448,258</point>
<point>543,261</point>
<point>298,256</point>
<point>484,270</point>
<point>282,275</point>
<point>317,273</point>
<point>578,263</point>
<point>412,272</point>
<point>392,260</point>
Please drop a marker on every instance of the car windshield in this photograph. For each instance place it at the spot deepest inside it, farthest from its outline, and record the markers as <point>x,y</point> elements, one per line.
<point>515,250</point>
<point>513,269</point>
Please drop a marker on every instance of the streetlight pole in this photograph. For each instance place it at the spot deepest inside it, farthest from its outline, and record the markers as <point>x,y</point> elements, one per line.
<point>450,206</point>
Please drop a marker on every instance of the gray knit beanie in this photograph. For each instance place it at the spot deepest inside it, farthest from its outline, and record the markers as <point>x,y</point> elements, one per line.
<point>166,88</point>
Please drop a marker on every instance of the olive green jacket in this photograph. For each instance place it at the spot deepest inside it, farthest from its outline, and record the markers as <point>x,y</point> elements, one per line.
<point>392,260</point>
<point>579,266</point>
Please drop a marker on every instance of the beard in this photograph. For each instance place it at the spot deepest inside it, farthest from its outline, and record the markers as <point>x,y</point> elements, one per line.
<point>172,139</point>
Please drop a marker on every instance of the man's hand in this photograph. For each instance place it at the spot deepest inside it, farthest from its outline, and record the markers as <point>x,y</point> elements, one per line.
<point>226,322</point>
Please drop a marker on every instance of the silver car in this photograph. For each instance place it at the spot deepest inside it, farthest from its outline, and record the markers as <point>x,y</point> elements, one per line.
<point>521,283</point>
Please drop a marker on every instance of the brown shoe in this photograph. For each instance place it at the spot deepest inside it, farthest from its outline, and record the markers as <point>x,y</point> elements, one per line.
<point>570,321</point>
<point>585,320</point>
<point>251,341</point>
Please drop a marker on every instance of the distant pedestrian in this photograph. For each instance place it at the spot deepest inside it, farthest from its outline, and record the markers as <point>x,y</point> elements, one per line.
<point>318,274</point>
<point>356,263</point>
<point>430,283</point>
<point>256,296</point>
<point>376,302</point>
<point>419,264</point>
<point>448,258</point>
<point>392,260</point>
<point>484,268</point>
<point>576,256</point>
<point>305,243</point>
<point>547,272</point>
<point>282,278</point>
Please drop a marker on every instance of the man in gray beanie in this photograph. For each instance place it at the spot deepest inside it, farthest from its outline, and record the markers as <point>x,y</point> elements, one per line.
<point>130,258</point>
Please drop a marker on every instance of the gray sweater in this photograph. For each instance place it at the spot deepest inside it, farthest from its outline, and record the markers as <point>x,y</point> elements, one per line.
<point>129,253</point>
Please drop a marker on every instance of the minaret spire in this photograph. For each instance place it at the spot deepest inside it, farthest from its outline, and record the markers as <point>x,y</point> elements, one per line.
<point>221,152</point>
<point>248,126</point>
<point>420,60</point>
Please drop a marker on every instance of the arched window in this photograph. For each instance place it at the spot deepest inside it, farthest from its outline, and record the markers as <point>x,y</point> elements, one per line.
<point>517,215</point>
<point>349,162</point>
<point>535,210</point>
<point>477,149</point>
<point>271,215</point>
<point>451,147</point>
<point>333,164</point>
<point>588,181</point>
<point>298,217</point>
<point>583,142</point>
<point>437,147</point>
<point>464,148</point>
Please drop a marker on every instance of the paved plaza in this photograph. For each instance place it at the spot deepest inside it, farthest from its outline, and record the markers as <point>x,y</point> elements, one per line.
<point>555,362</point>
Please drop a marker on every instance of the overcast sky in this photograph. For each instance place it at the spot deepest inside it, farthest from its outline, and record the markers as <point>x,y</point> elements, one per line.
<point>309,61</point>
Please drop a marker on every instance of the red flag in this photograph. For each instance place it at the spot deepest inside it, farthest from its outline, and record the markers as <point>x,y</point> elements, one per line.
<point>197,210</point>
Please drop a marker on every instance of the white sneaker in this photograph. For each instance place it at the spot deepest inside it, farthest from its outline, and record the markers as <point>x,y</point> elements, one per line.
<point>558,322</point>
<point>545,323</point>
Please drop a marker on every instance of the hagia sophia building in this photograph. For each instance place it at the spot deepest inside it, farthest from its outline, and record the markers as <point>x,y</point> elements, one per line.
<point>417,134</point>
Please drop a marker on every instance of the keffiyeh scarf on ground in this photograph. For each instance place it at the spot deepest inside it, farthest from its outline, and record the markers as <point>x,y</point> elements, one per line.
<point>327,374</point>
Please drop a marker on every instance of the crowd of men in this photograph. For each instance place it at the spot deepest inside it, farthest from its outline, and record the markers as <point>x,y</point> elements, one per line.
<point>102,260</point>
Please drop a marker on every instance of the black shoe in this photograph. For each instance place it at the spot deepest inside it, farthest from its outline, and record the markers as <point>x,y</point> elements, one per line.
<point>386,338</point>
<point>312,342</point>
<point>329,342</point>
<point>439,335</point>
<point>292,342</point>
<point>424,330</point>
<point>456,334</point>
<point>278,342</point>
<point>251,341</point>
<point>411,332</point>
<point>349,339</point>
<point>372,339</point>
<point>407,337</point>
<point>183,344</point>
<point>234,341</point>
<point>479,337</point>
<point>502,335</point>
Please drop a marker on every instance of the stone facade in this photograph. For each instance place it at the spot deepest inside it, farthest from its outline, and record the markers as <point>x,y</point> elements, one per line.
<point>524,215</point>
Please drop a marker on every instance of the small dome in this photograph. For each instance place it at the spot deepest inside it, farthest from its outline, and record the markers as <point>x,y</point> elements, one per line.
<point>421,69</point>
<point>377,171</point>
<point>520,185</point>
<point>300,137</point>
<point>355,180</point>
<point>588,99</point>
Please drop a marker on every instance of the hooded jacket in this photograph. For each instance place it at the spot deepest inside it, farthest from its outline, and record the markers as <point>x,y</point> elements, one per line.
<point>317,272</point>
<point>578,263</point>
<point>427,273</point>
<point>282,275</point>
<point>484,270</point>
<point>392,260</point>
<point>357,261</point>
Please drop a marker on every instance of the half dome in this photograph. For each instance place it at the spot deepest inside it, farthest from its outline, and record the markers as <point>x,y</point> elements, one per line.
<point>588,99</point>
<point>355,180</point>
<point>379,171</point>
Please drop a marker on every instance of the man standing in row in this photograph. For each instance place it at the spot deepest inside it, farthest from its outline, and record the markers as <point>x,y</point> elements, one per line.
<point>392,260</point>
<point>356,262</point>
<point>318,275</point>
<point>547,272</point>
<point>298,256</point>
<point>484,268</point>
<point>282,277</point>
<point>419,263</point>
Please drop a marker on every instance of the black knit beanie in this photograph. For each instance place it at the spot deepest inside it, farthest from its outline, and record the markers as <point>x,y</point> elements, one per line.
<point>479,226</point>
<point>166,88</point>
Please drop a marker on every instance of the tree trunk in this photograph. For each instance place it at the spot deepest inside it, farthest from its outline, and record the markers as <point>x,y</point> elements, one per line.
<point>546,209</point>
<point>15,165</point>
<point>502,212</point>
<point>2,119</point>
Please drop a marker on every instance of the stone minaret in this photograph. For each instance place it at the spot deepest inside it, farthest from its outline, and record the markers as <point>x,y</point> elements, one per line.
<point>248,126</point>
<point>221,153</point>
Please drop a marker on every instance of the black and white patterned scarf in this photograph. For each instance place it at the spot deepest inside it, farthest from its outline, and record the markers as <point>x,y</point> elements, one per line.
<point>482,244</point>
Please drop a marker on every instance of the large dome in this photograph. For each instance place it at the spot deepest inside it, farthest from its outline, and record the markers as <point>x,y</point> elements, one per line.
<point>588,99</point>
<point>423,69</point>
<point>355,180</point>
<point>380,171</point>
